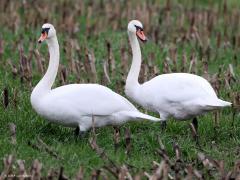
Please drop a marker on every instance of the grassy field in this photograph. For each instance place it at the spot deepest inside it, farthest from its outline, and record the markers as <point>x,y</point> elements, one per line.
<point>201,37</point>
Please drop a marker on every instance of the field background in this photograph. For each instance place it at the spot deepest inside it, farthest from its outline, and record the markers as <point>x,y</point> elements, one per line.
<point>202,37</point>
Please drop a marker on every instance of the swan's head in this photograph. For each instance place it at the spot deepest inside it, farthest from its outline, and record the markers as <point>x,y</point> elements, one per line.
<point>48,31</point>
<point>136,27</point>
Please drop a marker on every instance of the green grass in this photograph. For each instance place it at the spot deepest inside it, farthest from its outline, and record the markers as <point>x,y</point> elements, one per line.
<point>221,143</point>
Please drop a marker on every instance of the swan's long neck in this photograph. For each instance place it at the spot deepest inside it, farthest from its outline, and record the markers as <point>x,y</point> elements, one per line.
<point>45,85</point>
<point>132,78</point>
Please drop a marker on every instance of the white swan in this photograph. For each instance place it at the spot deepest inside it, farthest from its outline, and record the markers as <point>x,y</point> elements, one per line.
<point>74,105</point>
<point>180,95</point>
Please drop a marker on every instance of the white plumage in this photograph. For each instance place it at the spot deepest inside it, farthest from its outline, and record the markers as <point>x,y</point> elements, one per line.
<point>180,95</point>
<point>74,105</point>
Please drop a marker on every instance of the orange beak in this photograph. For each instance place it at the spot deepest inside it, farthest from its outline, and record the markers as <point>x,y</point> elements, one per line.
<point>141,35</point>
<point>42,37</point>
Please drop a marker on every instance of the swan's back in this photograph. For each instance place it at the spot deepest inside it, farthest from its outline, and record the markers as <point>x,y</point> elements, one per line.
<point>180,95</point>
<point>179,86</point>
<point>88,99</point>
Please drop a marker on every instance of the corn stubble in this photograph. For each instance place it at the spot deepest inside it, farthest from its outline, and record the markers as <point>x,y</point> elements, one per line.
<point>198,28</point>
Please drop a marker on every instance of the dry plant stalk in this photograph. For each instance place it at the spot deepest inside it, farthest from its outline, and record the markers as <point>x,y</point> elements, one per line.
<point>143,77</point>
<point>15,97</point>
<point>13,67</point>
<point>92,61</point>
<point>70,47</point>
<point>184,62</point>
<point>36,169</point>
<point>124,173</point>
<point>95,174</point>
<point>111,60</point>
<point>116,138</point>
<point>111,167</point>
<point>7,169</point>
<point>205,69</point>
<point>80,174</point>
<point>124,62</point>
<point>150,64</point>
<point>128,141</point>
<point>90,65</point>
<point>39,61</point>
<point>166,67</point>
<point>41,146</point>
<point>106,79</point>
<point>193,65</point>
<point>48,149</point>
<point>193,26</point>
<point>25,67</point>
<point>5,97</point>
<point>63,74</point>
<point>12,128</point>
<point>173,57</point>
<point>21,171</point>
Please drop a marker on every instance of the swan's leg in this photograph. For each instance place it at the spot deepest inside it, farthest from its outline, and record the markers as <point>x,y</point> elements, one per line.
<point>164,117</point>
<point>194,129</point>
<point>195,123</point>
<point>80,131</point>
<point>77,131</point>
<point>164,125</point>
<point>116,137</point>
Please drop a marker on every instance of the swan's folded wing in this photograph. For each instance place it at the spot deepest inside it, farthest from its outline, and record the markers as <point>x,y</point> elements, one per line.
<point>88,99</point>
<point>179,87</point>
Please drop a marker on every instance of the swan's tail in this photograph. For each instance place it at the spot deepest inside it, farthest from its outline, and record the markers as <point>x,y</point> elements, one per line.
<point>139,115</point>
<point>224,103</point>
<point>218,103</point>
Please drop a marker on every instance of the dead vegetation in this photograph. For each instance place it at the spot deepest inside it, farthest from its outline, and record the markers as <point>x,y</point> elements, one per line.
<point>207,33</point>
<point>197,27</point>
<point>203,167</point>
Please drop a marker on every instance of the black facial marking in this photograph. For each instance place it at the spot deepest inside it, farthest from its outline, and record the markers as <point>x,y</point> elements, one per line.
<point>138,28</point>
<point>45,30</point>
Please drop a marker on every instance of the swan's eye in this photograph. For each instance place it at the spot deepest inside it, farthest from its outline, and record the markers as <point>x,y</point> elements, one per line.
<point>45,30</point>
<point>44,34</point>
<point>138,28</point>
